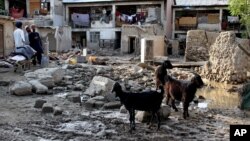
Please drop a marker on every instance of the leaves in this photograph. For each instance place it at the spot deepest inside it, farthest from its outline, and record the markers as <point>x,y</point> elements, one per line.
<point>2,5</point>
<point>242,9</point>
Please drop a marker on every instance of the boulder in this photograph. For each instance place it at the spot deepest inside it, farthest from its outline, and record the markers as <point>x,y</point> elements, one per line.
<point>56,73</point>
<point>47,76</point>
<point>46,80</point>
<point>38,87</point>
<point>21,88</point>
<point>101,86</point>
<point>244,97</point>
<point>144,116</point>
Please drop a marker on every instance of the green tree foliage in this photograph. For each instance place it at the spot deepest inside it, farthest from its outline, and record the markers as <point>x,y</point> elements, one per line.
<point>241,8</point>
<point>2,4</point>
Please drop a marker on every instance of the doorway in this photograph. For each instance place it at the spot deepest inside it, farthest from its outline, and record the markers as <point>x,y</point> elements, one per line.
<point>131,45</point>
<point>1,41</point>
<point>118,35</point>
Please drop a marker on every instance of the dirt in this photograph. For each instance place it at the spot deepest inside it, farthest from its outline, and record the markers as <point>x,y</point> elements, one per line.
<point>20,121</point>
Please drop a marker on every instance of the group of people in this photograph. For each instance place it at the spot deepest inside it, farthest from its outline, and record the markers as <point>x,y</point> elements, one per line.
<point>31,38</point>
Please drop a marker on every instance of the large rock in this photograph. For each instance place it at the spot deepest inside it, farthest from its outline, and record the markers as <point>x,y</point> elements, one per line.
<point>46,80</point>
<point>227,62</point>
<point>38,87</point>
<point>21,88</point>
<point>144,116</point>
<point>244,95</point>
<point>101,86</point>
<point>56,74</point>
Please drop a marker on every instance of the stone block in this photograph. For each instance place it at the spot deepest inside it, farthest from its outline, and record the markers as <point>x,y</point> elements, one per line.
<point>39,103</point>
<point>47,108</point>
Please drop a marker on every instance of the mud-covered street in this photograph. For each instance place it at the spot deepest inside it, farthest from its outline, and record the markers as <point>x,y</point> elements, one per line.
<point>21,121</point>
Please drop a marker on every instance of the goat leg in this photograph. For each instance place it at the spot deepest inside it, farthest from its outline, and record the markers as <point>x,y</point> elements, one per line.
<point>158,115</point>
<point>173,105</point>
<point>152,118</point>
<point>185,108</point>
<point>167,100</point>
<point>131,120</point>
<point>133,125</point>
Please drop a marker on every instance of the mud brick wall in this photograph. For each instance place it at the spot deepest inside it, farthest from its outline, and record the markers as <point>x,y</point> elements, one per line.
<point>227,62</point>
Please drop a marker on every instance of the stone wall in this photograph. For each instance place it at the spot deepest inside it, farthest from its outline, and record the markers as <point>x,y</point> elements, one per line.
<point>227,62</point>
<point>198,43</point>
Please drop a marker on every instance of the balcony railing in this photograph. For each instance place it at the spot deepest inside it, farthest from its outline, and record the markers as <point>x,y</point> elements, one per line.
<point>43,22</point>
<point>4,12</point>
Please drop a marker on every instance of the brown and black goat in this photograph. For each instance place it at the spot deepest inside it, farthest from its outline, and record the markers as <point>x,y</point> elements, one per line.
<point>182,91</point>
<point>144,101</point>
<point>161,72</point>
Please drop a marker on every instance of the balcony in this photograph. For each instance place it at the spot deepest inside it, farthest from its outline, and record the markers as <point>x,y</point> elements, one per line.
<point>42,21</point>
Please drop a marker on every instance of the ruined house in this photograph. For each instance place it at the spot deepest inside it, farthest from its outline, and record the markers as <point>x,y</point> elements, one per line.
<point>211,15</point>
<point>114,24</point>
<point>6,35</point>
<point>47,15</point>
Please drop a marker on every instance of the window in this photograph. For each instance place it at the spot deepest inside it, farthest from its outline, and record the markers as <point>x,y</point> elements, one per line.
<point>94,37</point>
<point>45,6</point>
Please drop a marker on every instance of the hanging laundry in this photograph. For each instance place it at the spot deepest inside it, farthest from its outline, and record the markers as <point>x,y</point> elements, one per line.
<point>80,19</point>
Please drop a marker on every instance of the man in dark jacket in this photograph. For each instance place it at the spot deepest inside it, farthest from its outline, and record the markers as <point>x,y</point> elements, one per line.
<point>36,44</point>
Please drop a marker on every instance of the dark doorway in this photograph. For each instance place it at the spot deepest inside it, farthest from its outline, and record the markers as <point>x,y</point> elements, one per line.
<point>1,41</point>
<point>118,35</point>
<point>83,39</point>
<point>131,48</point>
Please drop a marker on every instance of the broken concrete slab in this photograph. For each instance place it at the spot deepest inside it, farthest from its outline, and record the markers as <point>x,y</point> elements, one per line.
<point>21,88</point>
<point>39,103</point>
<point>38,87</point>
<point>101,86</point>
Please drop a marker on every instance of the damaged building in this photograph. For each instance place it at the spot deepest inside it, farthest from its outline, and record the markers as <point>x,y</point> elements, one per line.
<point>6,35</point>
<point>212,15</point>
<point>114,24</point>
<point>47,15</point>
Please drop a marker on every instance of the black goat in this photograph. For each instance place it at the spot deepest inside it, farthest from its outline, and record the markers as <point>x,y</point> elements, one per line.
<point>161,72</point>
<point>182,91</point>
<point>145,101</point>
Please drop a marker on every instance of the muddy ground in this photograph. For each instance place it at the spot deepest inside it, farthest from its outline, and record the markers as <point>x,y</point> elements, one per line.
<point>20,121</point>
